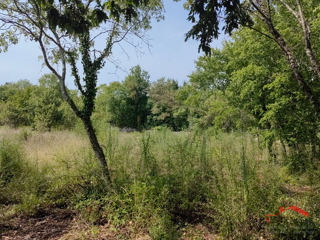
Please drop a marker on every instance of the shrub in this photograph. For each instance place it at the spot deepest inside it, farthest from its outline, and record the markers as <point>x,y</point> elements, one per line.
<point>11,162</point>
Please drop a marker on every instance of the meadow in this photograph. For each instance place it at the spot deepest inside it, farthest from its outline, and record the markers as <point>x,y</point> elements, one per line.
<point>166,185</point>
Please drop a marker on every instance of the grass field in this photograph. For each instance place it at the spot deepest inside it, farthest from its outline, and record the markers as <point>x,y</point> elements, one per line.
<point>166,185</point>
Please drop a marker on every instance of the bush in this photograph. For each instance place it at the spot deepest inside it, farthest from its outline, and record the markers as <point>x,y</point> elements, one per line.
<point>164,183</point>
<point>11,162</point>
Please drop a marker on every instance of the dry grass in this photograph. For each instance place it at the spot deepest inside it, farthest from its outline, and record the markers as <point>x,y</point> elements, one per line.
<point>162,177</point>
<point>8,132</point>
<point>48,148</point>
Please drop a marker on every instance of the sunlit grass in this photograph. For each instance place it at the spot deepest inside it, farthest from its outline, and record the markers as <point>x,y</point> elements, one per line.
<point>54,147</point>
<point>163,181</point>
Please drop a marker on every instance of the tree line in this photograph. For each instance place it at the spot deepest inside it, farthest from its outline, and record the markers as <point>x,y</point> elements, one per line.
<point>39,106</point>
<point>264,79</point>
<point>135,103</point>
<point>269,68</point>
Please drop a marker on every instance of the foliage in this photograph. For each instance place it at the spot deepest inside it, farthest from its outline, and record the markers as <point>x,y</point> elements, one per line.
<point>211,72</point>
<point>273,70</point>
<point>207,16</point>
<point>111,105</point>
<point>17,110</point>
<point>163,183</point>
<point>9,89</point>
<point>39,106</point>
<point>261,82</point>
<point>137,104</point>
<point>165,107</point>
<point>136,85</point>
<point>207,98</point>
<point>66,32</point>
<point>11,162</point>
<point>125,104</point>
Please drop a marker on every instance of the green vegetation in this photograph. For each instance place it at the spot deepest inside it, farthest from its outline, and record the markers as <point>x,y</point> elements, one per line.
<point>38,106</point>
<point>165,184</point>
<point>211,157</point>
<point>66,32</point>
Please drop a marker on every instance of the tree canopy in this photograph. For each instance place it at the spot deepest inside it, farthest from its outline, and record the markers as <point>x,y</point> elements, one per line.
<point>66,32</point>
<point>208,16</point>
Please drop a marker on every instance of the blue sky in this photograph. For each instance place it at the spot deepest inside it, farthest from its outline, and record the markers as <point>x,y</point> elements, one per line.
<point>170,56</point>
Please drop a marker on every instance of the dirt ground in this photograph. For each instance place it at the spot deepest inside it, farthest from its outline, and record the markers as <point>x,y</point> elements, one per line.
<point>63,224</point>
<point>46,225</point>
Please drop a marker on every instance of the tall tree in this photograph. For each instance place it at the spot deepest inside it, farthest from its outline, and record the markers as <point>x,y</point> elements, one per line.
<point>17,110</point>
<point>266,12</point>
<point>46,103</point>
<point>208,15</point>
<point>66,31</point>
<point>253,14</point>
<point>136,85</point>
<point>207,94</point>
<point>165,106</point>
<point>50,81</point>
<point>9,89</point>
<point>112,105</point>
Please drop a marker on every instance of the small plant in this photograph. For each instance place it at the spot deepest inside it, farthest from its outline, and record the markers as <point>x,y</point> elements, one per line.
<point>24,134</point>
<point>291,225</point>
<point>11,162</point>
<point>148,161</point>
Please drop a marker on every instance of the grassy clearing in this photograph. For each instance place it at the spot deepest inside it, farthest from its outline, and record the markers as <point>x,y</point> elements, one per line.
<point>167,185</point>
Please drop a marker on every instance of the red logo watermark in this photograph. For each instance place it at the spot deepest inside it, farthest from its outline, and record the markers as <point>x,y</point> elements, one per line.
<point>294,208</point>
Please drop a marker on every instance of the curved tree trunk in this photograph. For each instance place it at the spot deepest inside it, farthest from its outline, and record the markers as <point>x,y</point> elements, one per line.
<point>97,150</point>
<point>306,34</point>
<point>265,16</point>
<point>85,118</point>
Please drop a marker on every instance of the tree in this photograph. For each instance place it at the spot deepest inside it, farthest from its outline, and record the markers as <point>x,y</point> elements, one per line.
<point>265,11</point>
<point>17,110</point>
<point>262,83</point>
<point>50,88</point>
<point>66,31</point>
<point>51,82</point>
<point>9,89</point>
<point>207,16</point>
<point>253,14</point>
<point>46,100</point>
<point>165,106</point>
<point>207,95</point>
<point>259,82</point>
<point>286,101</point>
<point>112,105</point>
<point>46,109</point>
<point>211,72</point>
<point>126,103</point>
<point>136,85</point>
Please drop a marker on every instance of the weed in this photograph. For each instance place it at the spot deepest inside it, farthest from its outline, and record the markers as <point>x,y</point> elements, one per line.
<point>163,181</point>
<point>11,162</point>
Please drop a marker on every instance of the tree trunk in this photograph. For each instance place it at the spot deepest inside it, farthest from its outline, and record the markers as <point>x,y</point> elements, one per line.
<point>97,150</point>
<point>265,16</point>
<point>306,33</point>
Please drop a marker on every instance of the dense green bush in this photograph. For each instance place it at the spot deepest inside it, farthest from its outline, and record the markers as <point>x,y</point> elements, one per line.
<point>11,161</point>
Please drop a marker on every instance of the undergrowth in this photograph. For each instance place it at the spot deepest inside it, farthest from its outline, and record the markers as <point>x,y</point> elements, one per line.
<point>164,182</point>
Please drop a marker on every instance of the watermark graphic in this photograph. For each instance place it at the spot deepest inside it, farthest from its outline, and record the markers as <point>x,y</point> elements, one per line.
<point>282,209</point>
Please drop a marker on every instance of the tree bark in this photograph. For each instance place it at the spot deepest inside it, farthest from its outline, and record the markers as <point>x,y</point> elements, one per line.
<point>306,34</point>
<point>97,150</point>
<point>266,18</point>
<point>86,120</point>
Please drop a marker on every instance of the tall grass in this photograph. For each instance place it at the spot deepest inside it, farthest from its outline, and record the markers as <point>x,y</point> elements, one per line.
<point>164,183</point>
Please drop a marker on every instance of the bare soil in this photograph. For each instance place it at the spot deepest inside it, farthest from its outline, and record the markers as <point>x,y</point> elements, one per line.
<point>63,224</point>
<point>50,224</point>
